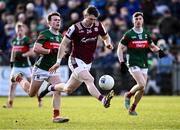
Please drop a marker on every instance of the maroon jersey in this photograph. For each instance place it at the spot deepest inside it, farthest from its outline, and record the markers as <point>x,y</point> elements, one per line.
<point>84,40</point>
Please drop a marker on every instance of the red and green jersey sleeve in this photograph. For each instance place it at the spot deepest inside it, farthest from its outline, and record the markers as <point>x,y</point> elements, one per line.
<point>48,40</point>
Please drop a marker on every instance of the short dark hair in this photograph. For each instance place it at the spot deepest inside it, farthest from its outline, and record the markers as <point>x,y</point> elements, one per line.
<point>136,14</point>
<point>53,14</point>
<point>92,10</point>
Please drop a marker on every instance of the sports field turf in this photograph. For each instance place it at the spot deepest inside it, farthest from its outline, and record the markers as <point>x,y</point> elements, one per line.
<point>86,113</point>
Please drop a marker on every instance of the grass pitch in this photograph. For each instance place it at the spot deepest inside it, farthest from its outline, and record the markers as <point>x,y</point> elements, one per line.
<point>86,113</point>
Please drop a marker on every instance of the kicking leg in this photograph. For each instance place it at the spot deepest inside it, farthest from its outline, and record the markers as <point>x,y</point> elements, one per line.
<point>71,85</point>
<point>89,81</point>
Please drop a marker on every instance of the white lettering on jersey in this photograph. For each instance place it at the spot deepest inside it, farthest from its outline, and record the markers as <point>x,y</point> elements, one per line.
<point>84,40</point>
<point>70,31</point>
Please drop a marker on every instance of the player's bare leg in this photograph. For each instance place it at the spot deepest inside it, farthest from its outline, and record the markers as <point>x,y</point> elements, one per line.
<point>137,90</point>
<point>30,89</point>
<point>11,96</point>
<point>71,85</point>
<point>24,83</point>
<point>56,118</point>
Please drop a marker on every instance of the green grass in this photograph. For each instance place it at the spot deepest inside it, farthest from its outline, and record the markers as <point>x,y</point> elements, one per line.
<point>86,113</point>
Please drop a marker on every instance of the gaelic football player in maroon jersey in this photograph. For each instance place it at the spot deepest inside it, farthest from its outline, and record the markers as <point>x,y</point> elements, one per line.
<point>83,36</point>
<point>46,45</point>
<point>136,41</point>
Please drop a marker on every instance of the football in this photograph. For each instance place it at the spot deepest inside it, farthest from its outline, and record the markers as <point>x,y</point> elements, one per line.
<point>106,82</point>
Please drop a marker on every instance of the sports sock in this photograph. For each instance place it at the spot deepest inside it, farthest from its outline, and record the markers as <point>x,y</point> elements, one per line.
<point>10,103</point>
<point>55,113</point>
<point>133,107</point>
<point>129,94</point>
<point>51,88</point>
<point>100,97</point>
<point>19,79</point>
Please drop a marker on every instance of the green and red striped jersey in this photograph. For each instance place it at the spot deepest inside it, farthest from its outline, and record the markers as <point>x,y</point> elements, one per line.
<point>20,46</point>
<point>137,47</point>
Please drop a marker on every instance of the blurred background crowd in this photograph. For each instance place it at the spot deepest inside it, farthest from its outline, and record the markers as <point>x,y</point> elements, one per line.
<point>161,17</point>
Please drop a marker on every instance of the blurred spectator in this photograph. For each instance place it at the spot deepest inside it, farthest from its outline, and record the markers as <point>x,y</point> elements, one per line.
<point>124,13</point>
<point>164,69</point>
<point>165,63</point>
<point>161,9</point>
<point>73,7</point>
<point>22,18</point>
<point>20,8</point>
<point>120,26</point>
<point>48,6</point>
<point>42,24</point>
<point>74,16</point>
<point>63,9</point>
<point>2,6</point>
<point>111,11</point>
<point>132,6</point>
<point>39,7</point>
<point>105,57</point>
<point>31,14</point>
<point>175,8</point>
<point>169,27</point>
<point>100,5</point>
<point>2,32</point>
<point>9,28</point>
<point>148,6</point>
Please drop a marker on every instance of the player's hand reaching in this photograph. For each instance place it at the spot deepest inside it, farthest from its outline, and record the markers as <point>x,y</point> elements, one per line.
<point>161,54</point>
<point>54,68</point>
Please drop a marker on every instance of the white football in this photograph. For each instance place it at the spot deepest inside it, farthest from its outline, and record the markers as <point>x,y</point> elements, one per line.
<point>106,82</point>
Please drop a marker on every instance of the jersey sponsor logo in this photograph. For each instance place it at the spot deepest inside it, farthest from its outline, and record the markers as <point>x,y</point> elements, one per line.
<point>20,48</point>
<point>138,44</point>
<point>51,45</point>
<point>84,40</point>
